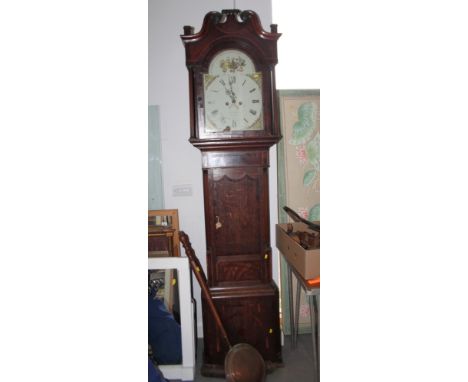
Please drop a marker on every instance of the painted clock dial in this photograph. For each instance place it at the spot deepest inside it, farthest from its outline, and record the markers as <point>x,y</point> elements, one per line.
<point>233,93</point>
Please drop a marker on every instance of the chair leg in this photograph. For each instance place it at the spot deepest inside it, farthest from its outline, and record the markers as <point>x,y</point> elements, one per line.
<point>317,320</point>
<point>314,343</point>
<point>291,309</point>
<point>296,313</point>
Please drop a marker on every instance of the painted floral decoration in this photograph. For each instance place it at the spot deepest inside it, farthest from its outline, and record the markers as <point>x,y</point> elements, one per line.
<point>306,137</point>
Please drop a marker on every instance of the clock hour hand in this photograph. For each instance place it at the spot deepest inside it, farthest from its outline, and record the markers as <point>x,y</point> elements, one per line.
<point>231,94</point>
<point>228,92</point>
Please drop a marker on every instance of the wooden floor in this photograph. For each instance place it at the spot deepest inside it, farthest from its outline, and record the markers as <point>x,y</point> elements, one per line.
<point>298,365</point>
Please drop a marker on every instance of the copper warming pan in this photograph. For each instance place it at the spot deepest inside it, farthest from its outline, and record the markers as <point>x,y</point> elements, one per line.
<point>243,363</point>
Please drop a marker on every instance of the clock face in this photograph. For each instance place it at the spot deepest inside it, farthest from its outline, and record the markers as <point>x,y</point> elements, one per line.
<point>233,94</point>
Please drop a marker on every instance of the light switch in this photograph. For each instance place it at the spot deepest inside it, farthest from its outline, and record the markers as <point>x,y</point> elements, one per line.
<point>182,190</point>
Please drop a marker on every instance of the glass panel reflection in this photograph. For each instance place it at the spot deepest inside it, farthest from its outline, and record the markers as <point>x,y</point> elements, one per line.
<point>164,330</point>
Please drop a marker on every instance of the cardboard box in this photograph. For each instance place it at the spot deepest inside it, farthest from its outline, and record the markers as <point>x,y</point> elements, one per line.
<point>306,262</point>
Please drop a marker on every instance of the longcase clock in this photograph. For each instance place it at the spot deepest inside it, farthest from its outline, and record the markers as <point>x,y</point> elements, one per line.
<point>233,121</point>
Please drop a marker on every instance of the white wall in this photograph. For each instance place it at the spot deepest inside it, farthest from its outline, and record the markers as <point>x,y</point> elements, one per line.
<point>168,88</point>
<point>302,39</point>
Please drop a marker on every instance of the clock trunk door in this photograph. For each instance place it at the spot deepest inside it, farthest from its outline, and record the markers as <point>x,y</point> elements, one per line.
<point>238,221</point>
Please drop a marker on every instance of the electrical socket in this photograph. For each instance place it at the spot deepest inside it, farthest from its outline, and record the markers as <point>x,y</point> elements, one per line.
<point>182,190</point>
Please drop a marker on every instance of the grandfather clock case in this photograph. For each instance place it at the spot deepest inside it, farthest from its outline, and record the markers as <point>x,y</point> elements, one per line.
<point>233,116</point>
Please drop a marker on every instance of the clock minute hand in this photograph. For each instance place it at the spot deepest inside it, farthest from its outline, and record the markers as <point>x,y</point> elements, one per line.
<point>231,94</point>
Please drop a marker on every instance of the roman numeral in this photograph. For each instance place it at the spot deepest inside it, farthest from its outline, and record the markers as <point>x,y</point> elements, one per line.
<point>252,90</point>
<point>222,82</point>
<point>253,112</point>
<point>255,101</point>
<point>214,112</point>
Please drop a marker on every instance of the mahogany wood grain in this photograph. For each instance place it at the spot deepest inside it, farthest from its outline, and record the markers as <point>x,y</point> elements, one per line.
<point>236,194</point>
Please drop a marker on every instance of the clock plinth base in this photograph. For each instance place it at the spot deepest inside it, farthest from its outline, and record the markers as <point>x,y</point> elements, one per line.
<point>249,315</point>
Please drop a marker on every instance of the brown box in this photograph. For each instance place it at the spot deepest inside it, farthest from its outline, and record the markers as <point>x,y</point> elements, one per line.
<point>306,262</point>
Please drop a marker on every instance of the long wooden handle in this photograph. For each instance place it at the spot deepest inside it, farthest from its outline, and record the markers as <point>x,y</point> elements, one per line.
<point>201,278</point>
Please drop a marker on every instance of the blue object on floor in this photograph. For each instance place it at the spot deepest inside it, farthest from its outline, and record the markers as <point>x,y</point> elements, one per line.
<point>164,334</point>
<point>154,374</point>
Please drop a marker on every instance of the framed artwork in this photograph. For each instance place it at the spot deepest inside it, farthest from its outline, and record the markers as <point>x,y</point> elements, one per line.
<point>298,172</point>
<point>163,241</point>
<point>163,233</point>
<point>180,265</point>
